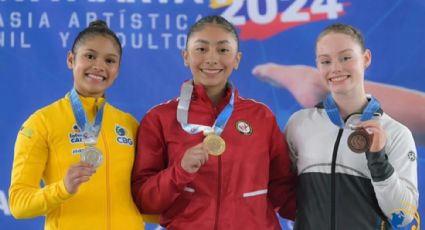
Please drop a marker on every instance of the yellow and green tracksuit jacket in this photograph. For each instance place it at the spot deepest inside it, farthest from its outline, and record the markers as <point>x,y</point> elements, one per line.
<point>48,143</point>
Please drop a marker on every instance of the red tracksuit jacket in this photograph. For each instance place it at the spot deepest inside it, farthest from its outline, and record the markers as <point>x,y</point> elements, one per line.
<point>241,189</point>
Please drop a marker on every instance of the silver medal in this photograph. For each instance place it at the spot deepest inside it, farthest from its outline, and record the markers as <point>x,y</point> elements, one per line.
<point>92,156</point>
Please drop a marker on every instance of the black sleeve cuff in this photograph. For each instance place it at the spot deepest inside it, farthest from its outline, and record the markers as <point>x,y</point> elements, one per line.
<point>379,166</point>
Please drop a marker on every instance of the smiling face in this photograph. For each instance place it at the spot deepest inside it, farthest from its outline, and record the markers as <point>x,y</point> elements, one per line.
<point>212,54</point>
<point>95,65</point>
<point>341,62</point>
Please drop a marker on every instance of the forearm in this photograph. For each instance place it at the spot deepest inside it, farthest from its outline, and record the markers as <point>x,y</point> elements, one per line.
<point>395,187</point>
<point>158,192</point>
<point>394,196</point>
<point>28,201</point>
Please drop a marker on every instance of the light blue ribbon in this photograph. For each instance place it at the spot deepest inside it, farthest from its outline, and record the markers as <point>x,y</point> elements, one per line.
<point>90,131</point>
<point>333,112</point>
<point>183,110</point>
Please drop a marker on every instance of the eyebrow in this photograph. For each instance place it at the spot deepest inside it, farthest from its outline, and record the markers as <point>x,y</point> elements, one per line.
<point>342,51</point>
<point>206,42</point>
<point>109,54</point>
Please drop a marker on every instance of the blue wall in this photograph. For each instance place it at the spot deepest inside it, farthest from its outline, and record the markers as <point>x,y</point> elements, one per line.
<point>35,36</point>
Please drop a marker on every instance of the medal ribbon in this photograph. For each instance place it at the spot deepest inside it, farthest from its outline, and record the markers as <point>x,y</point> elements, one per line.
<point>183,111</point>
<point>333,112</point>
<point>81,117</point>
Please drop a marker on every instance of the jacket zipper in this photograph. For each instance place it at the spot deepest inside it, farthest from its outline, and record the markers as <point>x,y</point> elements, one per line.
<point>333,186</point>
<point>217,211</point>
<point>108,184</point>
<point>106,160</point>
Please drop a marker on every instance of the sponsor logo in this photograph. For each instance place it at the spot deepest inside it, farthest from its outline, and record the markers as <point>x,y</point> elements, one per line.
<point>76,128</point>
<point>77,151</point>
<point>26,131</point>
<point>75,137</point>
<point>411,155</point>
<point>122,136</point>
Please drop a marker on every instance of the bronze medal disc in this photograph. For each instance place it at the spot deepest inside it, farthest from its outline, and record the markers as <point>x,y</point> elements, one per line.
<point>359,141</point>
<point>215,144</point>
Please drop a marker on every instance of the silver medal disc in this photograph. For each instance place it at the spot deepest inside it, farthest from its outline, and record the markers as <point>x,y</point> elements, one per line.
<point>92,156</point>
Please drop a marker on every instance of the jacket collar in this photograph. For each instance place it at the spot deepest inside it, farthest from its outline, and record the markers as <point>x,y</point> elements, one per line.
<point>199,93</point>
<point>91,105</point>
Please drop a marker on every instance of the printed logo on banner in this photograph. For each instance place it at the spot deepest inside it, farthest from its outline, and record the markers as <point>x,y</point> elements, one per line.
<point>264,19</point>
<point>159,30</point>
<point>4,206</point>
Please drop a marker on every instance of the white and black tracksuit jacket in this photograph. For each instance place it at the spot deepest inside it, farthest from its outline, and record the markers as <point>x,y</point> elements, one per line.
<point>339,189</point>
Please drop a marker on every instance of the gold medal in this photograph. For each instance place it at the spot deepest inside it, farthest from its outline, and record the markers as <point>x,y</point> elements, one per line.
<point>359,141</point>
<point>215,144</point>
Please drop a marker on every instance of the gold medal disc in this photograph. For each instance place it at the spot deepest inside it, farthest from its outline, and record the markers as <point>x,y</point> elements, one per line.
<point>215,144</point>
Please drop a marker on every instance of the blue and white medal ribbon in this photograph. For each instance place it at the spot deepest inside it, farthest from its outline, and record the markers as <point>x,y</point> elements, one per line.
<point>358,141</point>
<point>90,154</point>
<point>183,111</point>
<point>333,112</point>
<point>214,143</point>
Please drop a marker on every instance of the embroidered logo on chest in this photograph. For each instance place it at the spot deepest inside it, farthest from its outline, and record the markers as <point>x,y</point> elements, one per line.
<point>122,135</point>
<point>243,127</point>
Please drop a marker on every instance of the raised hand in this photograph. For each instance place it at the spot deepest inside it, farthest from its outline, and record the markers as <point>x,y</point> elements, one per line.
<point>374,128</point>
<point>77,174</point>
<point>194,158</point>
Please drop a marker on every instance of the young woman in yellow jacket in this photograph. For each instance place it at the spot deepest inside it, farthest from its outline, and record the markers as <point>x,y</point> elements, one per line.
<point>81,147</point>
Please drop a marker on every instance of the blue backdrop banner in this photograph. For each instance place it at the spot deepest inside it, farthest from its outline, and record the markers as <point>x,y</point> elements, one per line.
<point>277,42</point>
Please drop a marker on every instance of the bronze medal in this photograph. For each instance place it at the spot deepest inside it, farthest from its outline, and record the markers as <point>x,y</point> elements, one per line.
<point>215,144</point>
<point>359,141</point>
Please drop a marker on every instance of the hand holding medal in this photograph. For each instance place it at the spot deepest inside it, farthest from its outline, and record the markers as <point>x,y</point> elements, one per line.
<point>92,156</point>
<point>77,174</point>
<point>214,143</point>
<point>376,134</point>
<point>359,141</point>
<point>194,158</point>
